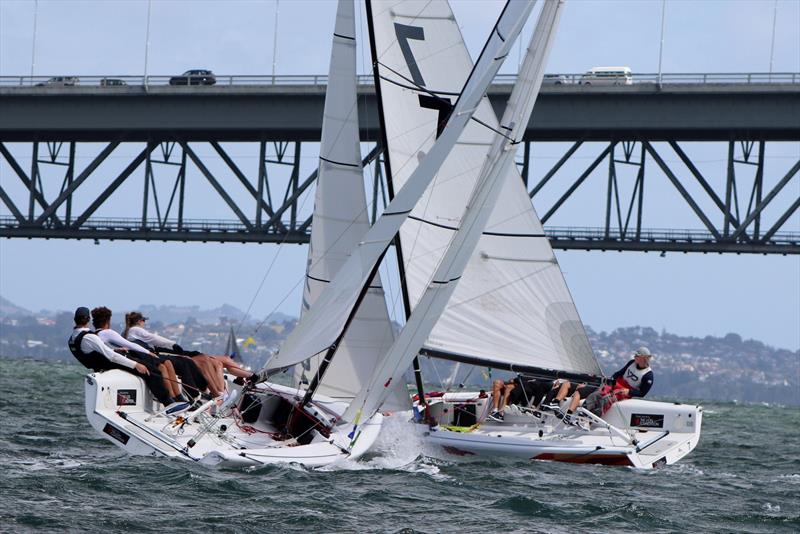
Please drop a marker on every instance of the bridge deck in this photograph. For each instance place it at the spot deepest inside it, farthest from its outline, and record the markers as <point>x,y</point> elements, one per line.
<point>567,112</point>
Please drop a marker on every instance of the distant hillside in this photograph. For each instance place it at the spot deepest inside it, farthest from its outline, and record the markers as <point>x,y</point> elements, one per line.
<point>9,309</point>
<point>177,314</point>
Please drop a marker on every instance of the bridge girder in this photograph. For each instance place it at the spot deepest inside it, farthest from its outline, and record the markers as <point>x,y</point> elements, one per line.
<point>733,219</point>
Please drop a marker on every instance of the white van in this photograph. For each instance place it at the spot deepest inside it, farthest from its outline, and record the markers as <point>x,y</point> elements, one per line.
<point>608,76</point>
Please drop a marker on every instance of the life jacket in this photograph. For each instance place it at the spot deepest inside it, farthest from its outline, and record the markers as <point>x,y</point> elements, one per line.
<point>632,377</point>
<point>94,360</point>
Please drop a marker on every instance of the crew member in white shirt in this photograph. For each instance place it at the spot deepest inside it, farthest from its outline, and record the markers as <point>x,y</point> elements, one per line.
<point>211,365</point>
<point>101,320</point>
<point>190,374</point>
<point>90,351</point>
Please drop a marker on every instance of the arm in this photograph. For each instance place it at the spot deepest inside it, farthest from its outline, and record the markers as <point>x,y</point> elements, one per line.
<point>113,338</point>
<point>644,387</point>
<point>621,372</point>
<point>91,342</point>
<point>154,340</point>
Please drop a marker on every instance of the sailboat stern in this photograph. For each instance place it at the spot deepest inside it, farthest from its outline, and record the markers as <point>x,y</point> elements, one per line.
<point>665,432</point>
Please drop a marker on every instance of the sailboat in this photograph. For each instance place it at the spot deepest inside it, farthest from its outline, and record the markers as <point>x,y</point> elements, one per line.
<point>511,308</point>
<point>344,334</point>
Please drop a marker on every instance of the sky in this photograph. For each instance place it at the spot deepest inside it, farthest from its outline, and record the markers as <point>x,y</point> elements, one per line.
<point>689,294</point>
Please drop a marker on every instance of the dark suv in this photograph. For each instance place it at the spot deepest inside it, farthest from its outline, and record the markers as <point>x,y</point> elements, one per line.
<point>194,77</point>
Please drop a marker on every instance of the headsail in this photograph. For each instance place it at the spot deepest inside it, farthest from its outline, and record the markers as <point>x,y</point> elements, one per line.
<point>323,324</point>
<point>340,221</point>
<point>512,306</point>
<point>478,209</point>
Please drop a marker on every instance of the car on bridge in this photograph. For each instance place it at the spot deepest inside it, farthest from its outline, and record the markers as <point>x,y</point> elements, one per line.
<point>554,79</point>
<point>59,81</point>
<point>607,76</point>
<point>194,77</point>
<point>112,82</point>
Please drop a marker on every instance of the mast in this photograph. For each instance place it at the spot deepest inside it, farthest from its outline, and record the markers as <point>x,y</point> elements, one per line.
<point>390,187</point>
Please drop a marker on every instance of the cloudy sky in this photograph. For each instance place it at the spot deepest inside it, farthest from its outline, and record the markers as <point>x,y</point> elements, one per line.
<point>755,296</point>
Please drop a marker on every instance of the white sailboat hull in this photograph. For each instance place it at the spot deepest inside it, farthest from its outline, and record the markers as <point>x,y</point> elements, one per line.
<point>122,410</point>
<point>634,433</point>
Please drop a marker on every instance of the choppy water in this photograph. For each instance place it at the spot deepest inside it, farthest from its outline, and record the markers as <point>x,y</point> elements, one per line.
<point>57,475</point>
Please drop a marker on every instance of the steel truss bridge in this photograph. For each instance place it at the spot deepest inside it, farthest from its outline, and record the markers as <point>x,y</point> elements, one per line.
<point>116,162</point>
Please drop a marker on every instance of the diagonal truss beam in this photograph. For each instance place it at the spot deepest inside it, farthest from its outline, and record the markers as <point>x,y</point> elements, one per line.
<point>67,193</point>
<point>11,206</point>
<point>682,190</point>
<point>245,182</point>
<point>216,185</point>
<point>132,166</point>
<point>29,183</point>
<point>767,199</point>
<point>579,181</point>
<point>701,180</point>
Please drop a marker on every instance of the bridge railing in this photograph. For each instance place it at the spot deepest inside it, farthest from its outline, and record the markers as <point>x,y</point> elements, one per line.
<point>225,229</point>
<point>112,82</point>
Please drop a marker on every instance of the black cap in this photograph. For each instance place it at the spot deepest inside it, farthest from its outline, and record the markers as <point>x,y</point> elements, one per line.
<point>82,314</point>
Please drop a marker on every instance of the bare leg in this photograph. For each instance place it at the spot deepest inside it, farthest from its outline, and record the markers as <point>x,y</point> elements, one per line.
<point>562,391</point>
<point>576,399</point>
<point>169,384</point>
<point>232,367</point>
<point>212,373</point>
<point>497,387</point>
<point>508,389</point>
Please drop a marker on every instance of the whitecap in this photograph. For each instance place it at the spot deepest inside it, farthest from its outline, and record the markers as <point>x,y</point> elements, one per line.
<point>52,463</point>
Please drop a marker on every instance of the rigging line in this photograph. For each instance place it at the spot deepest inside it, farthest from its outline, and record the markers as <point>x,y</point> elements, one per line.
<point>301,279</point>
<point>414,85</point>
<point>263,280</point>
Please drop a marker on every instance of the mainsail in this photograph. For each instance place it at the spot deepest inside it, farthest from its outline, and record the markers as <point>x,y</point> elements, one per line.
<point>479,207</point>
<point>340,221</point>
<point>323,324</point>
<point>512,306</point>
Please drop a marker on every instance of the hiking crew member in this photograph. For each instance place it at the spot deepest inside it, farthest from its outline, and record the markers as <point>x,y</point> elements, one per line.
<point>90,350</point>
<point>184,367</point>
<point>634,380</point>
<point>175,366</point>
<point>211,366</point>
<point>522,390</point>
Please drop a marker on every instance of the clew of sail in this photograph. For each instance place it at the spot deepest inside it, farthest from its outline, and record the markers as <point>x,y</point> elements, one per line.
<point>512,306</point>
<point>340,221</point>
<point>322,325</point>
<point>473,221</point>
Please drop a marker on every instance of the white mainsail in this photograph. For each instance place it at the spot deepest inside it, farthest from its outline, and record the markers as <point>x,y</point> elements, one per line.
<point>473,221</point>
<point>322,325</point>
<point>512,305</point>
<point>340,221</point>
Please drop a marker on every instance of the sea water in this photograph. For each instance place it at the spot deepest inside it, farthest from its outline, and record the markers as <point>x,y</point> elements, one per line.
<point>58,474</point>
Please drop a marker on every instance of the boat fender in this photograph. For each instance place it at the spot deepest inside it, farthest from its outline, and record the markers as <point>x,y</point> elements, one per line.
<point>541,433</point>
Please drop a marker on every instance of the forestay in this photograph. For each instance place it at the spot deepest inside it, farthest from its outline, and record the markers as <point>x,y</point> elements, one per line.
<point>340,221</point>
<point>478,209</point>
<point>322,325</point>
<point>512,305</point>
